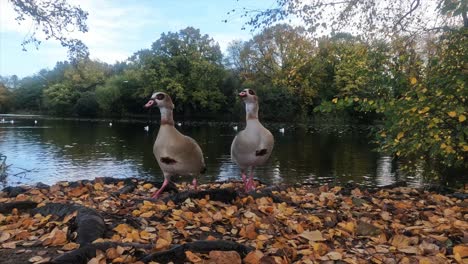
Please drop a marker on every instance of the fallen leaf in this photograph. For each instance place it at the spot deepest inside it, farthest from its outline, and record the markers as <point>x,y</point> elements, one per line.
<point>162,243</point>
<point>461,250</point>
<point>70,246</point>
<point>312,235</point>
<point>253,257</point>
<point>334,255</point>
<point>225,257</point>
<point>192,257</point>
<point>4,237</point>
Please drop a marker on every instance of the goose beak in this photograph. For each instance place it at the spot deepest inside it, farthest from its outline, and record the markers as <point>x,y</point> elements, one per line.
<point>242,94</point>
<point>149,104</point>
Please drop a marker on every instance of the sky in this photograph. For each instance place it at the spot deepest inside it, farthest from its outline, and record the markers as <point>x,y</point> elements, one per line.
<point>118,28</point>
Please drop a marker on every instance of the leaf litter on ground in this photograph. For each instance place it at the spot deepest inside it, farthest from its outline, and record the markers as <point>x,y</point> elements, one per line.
<point>289,225</point>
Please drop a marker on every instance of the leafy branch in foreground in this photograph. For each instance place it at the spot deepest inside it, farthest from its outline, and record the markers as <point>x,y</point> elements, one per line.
<point>370,17</point>
<point>55,19</point>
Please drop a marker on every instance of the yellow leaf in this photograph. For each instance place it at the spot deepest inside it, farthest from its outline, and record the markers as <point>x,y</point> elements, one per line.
<point>335,100</point>
<point>147,214</point>
<point>400,135</point>
<point>147,186</point>
<point>452,114</point>
<point>424,110</point>
<point>413,80</point>
<point>98,186</point>
<point>122,229</point>
<point>461,118</point>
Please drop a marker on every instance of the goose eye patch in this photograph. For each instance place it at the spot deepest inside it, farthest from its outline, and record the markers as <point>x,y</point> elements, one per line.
<point>160,96</point>
<point>251,92</point>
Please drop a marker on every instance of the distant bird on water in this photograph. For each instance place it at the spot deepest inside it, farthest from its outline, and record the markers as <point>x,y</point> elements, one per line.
<point>3,120</point>
<point>35,122</point>
<point>235,128</point>
<point>110,124</point>
<point>253,145</point>
<point>175,153</point>
<point>281,130</point>
<point>179,124</point>
<point>146,128</point>
<point>12,121</point>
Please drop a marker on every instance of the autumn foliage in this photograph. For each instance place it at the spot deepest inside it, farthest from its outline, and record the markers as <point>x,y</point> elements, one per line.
<point>274,225</point>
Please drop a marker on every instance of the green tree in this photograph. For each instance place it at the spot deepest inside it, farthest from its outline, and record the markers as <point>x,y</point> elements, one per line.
<point>5,98</point>
<point>428,122</point>
<point>60,98</point>
<point>28,95</point>
<point>280,57</point>
<point>187,65</point>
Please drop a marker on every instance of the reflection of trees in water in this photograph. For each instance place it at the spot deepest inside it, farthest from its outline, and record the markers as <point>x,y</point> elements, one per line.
<point>74,149</point>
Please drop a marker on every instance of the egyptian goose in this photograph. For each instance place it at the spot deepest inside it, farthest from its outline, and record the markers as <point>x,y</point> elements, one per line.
<point>176,154</point>
<point>252,146</point>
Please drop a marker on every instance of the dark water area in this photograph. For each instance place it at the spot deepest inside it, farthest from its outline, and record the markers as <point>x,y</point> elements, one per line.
<point>58,150</point>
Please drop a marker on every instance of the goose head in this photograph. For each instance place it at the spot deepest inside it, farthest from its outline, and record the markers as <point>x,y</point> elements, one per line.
<point>161,100</point>
<point>248,96</point>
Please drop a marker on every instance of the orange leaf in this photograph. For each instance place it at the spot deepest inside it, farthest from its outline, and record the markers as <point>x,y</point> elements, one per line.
<point>162,243</point>
<point>253,257</point>
<point>461,250</point>
<point>192,257</point>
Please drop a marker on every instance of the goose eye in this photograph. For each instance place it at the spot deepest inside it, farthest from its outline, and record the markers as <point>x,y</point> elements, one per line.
<point>160,96</point>
<point>251,92</point>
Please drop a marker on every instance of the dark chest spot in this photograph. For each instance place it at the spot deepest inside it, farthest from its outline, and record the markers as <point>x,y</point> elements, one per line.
<point>261,152</point>
<point>167,160</point>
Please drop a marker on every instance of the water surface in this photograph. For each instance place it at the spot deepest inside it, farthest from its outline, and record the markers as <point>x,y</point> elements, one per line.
<point>56,150</point>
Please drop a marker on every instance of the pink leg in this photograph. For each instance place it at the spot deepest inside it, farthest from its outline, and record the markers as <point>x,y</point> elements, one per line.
<point>244,177</point>
<point>156,194</point>
<point>250,186</point>
<point>195,183</point>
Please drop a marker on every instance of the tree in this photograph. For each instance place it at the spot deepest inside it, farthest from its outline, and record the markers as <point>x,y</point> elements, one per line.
<point>373,18</point>
<point>60,98</point>
<point>279,57</point>
<point>5,96</point>
<point>186,64</point>
<point>428,122</point>
<point>55,18</point>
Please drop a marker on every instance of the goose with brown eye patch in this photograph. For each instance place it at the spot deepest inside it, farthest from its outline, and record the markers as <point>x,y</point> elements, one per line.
<point>252,146</point>
<point>175,153</point>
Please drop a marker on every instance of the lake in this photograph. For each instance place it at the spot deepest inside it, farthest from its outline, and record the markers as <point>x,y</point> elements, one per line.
<point>57,150</point>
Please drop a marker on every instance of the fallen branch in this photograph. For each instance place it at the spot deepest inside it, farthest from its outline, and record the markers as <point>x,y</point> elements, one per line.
<point>177,253</point>
<point>90,224</point>
<point>84,254</point>
<point>6,208</point>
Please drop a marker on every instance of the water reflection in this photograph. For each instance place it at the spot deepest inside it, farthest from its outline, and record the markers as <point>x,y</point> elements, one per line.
<point>73,150</point>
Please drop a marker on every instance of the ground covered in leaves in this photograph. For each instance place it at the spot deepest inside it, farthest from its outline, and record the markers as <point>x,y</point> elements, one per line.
<point>114,221</point>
